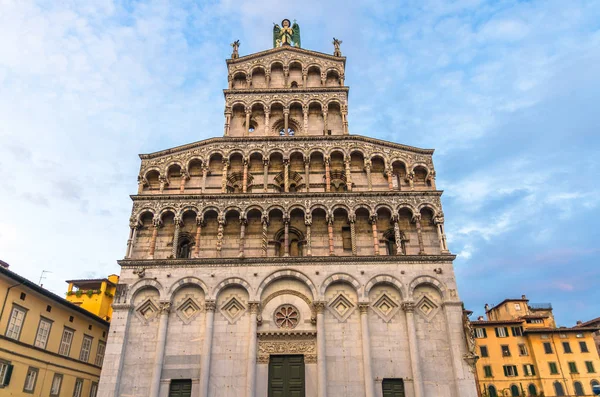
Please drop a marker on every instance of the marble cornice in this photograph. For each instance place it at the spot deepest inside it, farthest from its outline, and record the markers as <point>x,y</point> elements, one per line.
<point>295,195</point>
<point>305,138</point>
<point>296,261</point>
<point>270,51</point>
<point>308,90</point>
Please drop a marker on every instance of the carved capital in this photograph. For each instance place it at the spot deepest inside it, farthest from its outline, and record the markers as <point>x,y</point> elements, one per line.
<point>210,306</point>
<point>408,307</point>
<point>352,217</point>
<point>164,307</point>
<point>416,218</point>
<point>157,222</point>
<point>308,219</point>
<point>363,307</point>
<point>265,219</point>
<point>254,307</point>
<point>373,218</point>
<point>319,306</point>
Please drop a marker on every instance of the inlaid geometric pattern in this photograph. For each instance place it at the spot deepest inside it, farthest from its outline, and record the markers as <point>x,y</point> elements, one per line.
<point>147,311</point>
<point>426,307</point>
<point>286,316</point>
<point>233,309</point>
<point>385,308</point>
<point>341,307</point>
<point>188,310</point>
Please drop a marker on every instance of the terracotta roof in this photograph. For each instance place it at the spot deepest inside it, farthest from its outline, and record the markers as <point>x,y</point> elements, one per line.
<point>561,330</point>
<point>58,299</point>
<point>496,322</point>
<point>590,322</point>
<point>534,316</point>
<point>507,300</point>
<point>90,280</point>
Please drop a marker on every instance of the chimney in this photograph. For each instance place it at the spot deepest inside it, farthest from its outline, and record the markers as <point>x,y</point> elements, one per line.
<point>480,318</point>
<point>487,307</point>
<point>523,297</point>
<point>579,322</point>
<point>4,264</point>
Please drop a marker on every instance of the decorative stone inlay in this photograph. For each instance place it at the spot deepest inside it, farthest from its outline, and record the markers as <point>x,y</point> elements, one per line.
<point>385,307</point>
<point>286,316</point>
<point>188,310</point>
<point>233,309</point>
<point>147,311</point>
<point>341,307</point>
<point>427,308</point>
<point>291,342</point>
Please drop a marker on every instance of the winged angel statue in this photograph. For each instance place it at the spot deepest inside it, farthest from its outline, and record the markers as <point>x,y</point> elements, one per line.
<point>286,35</point>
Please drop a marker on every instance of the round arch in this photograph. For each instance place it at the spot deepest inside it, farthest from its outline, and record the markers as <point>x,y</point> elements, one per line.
<point>228,282</point>
<point>286,274</point>
<point>384,279</point>
<point>339,277</point>
<point>427,280</point>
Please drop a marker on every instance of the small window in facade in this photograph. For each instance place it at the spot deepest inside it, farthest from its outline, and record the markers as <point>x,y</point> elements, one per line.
<point>514,391</point>
<point>532,390</point>
<point>23,296</point>
<point>487,369</point>
<point>78,387</point>
<point>553,368</point>
<point>56,385</point>
<point>100,354</point>
<point>505,350</point>
<point>94,389</point>
<point>547,348</point>
<point>71,319</point>
<point>480,333</point>
<point>5,372</point>
<point>501,332</point>
<point>41,339</point>
<point>15,323</point>
<point>583,347</point>
<point>517,331</point>
<point>492,391</point>
<point>30,380</point>
<point>484,351</point>
<point>523,350</point>
<point>48,308</point>
<point>528,370</point>
<point>581,335</point>
<point>86,348</point>
<point>392,387</point>
<point>589,365</point>
<point>544,336</point>
<point>65,342</point>
<point>578,389</point>
<point>517,306</point>
<point>562,336</point>
<point>567,347</point>
<point>559,389</point>
<point>573,367</point>
<point>510,370</point>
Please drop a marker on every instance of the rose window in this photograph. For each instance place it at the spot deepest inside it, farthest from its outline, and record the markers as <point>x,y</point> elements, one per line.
<point>287,316</point>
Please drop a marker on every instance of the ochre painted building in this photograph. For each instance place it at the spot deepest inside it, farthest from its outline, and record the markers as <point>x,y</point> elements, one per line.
<point>94,295</point>
<point>523,353</point>
<point>288,257</point>
<point>48,346</point>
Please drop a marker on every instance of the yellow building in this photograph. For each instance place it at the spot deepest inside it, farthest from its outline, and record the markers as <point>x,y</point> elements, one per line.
<point>94,295</point>
<point>523,353</point>
<point>48,346</point>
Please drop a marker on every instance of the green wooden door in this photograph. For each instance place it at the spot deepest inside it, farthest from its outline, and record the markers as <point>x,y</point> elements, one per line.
<point>180,388</point>
<point>286,376</point>
<point>393,388</point>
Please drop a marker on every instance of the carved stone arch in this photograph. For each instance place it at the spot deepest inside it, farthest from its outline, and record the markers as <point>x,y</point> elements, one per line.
<point>401,160</point>
<point>288,273</point>
<point>298,294</point>
<point>295,150</point>
<point>427,280</point>
<point>142,211</point>
<point>275,207</point>
<point>187,281</point>
<point>379,154</point>
<point>232,208</point>
<point>315,65</point>
<point>333,69</point>
<point>187,208</point>
<point>254,151</point>
<point>210,208</point>
<point>296,60</point>
<point>212,152</point>
<point>274,61</point>
<point>297,101</point>
<point>319,206</point>
<point>363,206</point>
<point>143,284</point>
<point>258,66</point>
<point>238,102</point>
<point>238,72</point>
<point>420,164</point>
<point>341,206</point>
<point>276,102</point>
<point>314,100</point>
<point>384,279</point>
<point>337,149</point>
<point>258,102</point>
<point>192,158</point>
<point>165,210</point>
<point>171,164</point>
<point>297,207</point>
<point>151,168</point>
<point>317,150</point>
<point>407,206</point>
<point>428,206</point>
<point>334,100</point>
<point>360,150</point>
<point>228,282</point>
<point>386,206</point>
<point>255,207</point>
<point>272,151</point>
<point>235,151</point>
<point>341,278</point>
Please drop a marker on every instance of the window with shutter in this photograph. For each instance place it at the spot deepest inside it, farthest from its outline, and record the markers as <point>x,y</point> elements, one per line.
<point>56,384</point>
<point>547,348</point>
<point>487,369</point>
<point>501,332</point>
<point>65,342</point>
<point>567,347</point>
<point>505,350</point>
<point>480,333</point>
<point>523,350</point>
<point>589,365</point>
<point>583,347</point>
<point>15,322</point>
<point>30,380</point>
<point>553,368</point>
<point>573,367</point>
<point>5,372</point>
<point>517,331</point>
<point>86,348</point>
<point>484,351</point>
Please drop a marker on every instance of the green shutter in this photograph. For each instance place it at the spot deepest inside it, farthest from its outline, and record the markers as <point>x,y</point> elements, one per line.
<point>505,370</point>
<point>516,372</point>
<point>496,330</point>
<point>7,376</point>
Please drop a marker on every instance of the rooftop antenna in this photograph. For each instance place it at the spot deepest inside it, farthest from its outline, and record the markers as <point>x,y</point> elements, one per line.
<point>42,276</point>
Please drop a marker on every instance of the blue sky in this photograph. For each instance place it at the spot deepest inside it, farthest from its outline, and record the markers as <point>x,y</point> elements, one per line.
<point>507,92</point>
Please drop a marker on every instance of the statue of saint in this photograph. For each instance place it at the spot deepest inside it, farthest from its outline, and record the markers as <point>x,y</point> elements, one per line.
<point>336,47</point>
<point>286,35</point>
<point>236,46</point>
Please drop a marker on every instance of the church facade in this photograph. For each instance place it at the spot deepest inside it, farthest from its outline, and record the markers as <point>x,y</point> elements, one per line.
<point>288,257</point>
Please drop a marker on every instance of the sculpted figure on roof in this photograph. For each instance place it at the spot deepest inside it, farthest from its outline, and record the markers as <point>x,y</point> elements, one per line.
<point>286,34</point>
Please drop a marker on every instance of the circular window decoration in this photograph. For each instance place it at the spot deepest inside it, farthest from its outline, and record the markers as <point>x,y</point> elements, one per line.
<point>287,316</point>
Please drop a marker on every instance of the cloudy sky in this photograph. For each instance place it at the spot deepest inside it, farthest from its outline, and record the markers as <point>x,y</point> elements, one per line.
<point>507,92</point>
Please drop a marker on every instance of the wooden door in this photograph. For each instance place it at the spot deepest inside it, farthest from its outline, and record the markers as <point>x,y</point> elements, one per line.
<point>393,388</point>
<point>180,388</point>
<point>286,376</point>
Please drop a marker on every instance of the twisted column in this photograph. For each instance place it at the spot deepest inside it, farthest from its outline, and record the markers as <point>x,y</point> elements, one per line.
<point>268,78</point>
<point>224,176</point>
<point>368,169</point>
<point>375,234</point>
<point>397,235</point>
<point>265,232</point>
<point>321,350</point>
<point>252,349</point>
<point>439,222</point>
<point>323,78</point>
<point>390,176</point>
<point>345,120</point>
<point>366,349</point>
<point>308,223</point>
<point>245,177</point>
<point>133,226</point>
<point>220,229</point>
<point>227,121</point>
<point>286,235</point>
<point>177,222</point>
<point>248,114</point>
<point>266,175</point>
<point>348,174</point>
<point>243,222</point>
<point>325,122</point>
<point>157,224</point>
<point>199,221</point>
<point>207,347</point>
<point>413,345</point>
<point>417,221</point>
<point>307,173</point>
<point>286,120</point>
<point>164,308</point>
<point>184,177</point>
<point>267,114</point>
<point>286,175</point>
<point>305,117</point>
<point>327,175</point>
<point>352,220</point>
<point>204,175</point>
<point>330,231</point>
